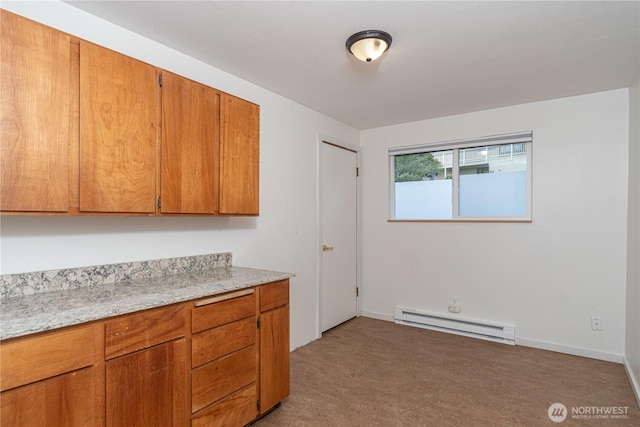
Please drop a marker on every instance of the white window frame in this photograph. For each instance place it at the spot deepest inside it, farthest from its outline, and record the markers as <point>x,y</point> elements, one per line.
<point>512,138</point>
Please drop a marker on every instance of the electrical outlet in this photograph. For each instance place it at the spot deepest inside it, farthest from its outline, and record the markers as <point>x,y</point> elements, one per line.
<point>454,305</point>
<point>596,323</point>
<point>454,308</point>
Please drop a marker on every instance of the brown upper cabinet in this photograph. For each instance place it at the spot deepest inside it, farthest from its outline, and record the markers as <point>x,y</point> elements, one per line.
<point>89,131</point>
<point>190,146</point>
<point>37,137</point>
<point>239,156</point>
<point>117,132</point>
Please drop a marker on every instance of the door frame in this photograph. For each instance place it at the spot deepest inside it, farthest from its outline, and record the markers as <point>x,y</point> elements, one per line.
<point>321,139</point>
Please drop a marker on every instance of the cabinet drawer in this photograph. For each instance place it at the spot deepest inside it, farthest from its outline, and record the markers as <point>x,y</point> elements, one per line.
<point>274,295</point>
<point>30,359</point>
<point>214,343</point>
<point>236,410</point>
<point>218,379</point>
<point>144,329</point>
<point>231,307</point>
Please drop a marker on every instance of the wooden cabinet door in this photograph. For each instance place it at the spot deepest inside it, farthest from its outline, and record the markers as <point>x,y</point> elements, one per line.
<point>239,156</point>
<point>148,387</point>
<point>190,134</point>
<point>274,357</point>
<point>117,132</point>
<point>37,117</point>
<point>54,378</point>
<point>72,399</point>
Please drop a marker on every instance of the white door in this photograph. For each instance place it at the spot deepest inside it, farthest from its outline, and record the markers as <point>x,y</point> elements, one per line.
<point>339,235</point>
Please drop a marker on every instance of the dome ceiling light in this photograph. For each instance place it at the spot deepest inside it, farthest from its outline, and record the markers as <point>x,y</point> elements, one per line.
<point>368,45</point>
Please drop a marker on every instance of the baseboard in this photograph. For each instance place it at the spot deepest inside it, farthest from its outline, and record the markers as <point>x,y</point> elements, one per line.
<point>633,379</point>
<point>542,345</point>
<point>375,315</point>
<point>576,351</point>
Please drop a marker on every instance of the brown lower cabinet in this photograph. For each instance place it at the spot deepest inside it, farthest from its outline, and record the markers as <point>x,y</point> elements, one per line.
<point>224,359</point>
<point>217,361</point>
<point>274,344</point>
<point>146,388</point>
<point>52,379</point>
<point>64,400</point>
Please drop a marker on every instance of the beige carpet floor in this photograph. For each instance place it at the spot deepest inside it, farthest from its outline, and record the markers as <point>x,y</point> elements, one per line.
<point>369,372</point>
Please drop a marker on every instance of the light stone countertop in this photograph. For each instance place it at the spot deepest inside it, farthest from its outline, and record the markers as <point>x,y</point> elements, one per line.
<point>50,310</point>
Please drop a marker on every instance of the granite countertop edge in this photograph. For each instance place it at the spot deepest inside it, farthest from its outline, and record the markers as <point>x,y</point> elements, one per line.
<point>31,314</point>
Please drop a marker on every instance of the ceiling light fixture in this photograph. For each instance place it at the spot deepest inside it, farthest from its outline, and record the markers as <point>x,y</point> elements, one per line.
<point>368,45</point>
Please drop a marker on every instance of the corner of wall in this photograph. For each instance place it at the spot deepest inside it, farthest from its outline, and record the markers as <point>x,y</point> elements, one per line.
<point>633,379</point>
<point>632,330</point>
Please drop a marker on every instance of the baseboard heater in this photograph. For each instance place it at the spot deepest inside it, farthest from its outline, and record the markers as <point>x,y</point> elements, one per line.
<point>481,329</point>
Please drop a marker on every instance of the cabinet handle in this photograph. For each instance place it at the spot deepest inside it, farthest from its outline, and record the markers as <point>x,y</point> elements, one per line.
<point>224,297</point>
<point>326,248</point>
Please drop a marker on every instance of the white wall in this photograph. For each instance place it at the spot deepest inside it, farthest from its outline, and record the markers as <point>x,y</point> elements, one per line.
<point>283,237</point>
<point>548,277</point>
<point>632,347</point>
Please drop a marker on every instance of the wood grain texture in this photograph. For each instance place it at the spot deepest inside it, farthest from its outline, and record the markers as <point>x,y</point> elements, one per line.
<point>36,115</point>
<point>190,146</point>
<point>220,378</point>
<point>239,156</point>
<point>274,295</point>
<point>117,132</point>
<point>144,329</point>
<point>65,400</point>
<point>217,342</point>
<point>236,410</point>
<point>147,388</point>
<point>210,316</point>
<point>74,130</point>
<point>274,357</point>
<point>33,358</point>
<point>146,379</point>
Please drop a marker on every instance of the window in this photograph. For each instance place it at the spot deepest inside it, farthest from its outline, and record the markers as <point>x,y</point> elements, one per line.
<point>480,179</point>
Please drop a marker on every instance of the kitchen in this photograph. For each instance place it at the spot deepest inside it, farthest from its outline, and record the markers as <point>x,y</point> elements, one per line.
<point>284,237</point>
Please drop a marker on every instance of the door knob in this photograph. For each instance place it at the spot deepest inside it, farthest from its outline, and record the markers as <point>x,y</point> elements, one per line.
<point>326,248</point>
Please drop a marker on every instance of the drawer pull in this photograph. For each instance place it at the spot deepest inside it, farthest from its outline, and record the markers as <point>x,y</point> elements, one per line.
<point>224,297</point>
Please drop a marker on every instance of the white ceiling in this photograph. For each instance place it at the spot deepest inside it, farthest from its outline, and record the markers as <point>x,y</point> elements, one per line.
<point>447,57</point>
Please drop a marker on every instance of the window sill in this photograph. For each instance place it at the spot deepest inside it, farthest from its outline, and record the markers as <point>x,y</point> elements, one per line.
<point>506,220</point>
